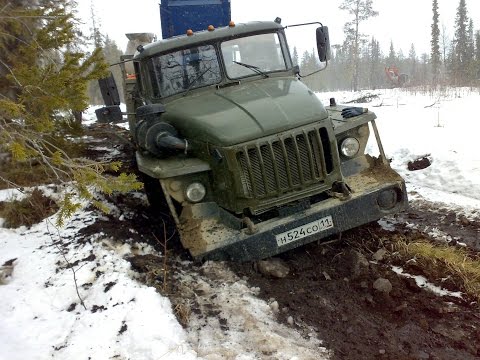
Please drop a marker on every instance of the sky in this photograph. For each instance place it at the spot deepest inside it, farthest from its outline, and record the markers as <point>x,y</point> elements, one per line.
<point>403,22</point>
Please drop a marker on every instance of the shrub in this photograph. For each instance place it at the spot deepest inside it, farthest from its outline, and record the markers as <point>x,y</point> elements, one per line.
<point>28,211</point>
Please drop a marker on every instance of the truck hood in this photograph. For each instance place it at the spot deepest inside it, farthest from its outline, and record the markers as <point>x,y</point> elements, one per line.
<point>240,113</point>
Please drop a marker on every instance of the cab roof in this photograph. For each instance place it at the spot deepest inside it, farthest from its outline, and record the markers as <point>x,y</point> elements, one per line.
<point>200,37</point>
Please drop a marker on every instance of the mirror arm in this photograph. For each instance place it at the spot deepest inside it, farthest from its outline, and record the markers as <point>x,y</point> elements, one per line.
<point>310,23</point>
<point>316,71</point>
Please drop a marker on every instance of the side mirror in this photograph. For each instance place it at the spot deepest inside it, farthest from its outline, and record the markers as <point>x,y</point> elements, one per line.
<point>323,43</point>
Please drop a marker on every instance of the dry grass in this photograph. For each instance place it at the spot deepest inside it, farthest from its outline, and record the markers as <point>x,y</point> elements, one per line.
<point>28,211</point>
<point>25,174</point>
<point>32,172</point>
<point>183,311</point>
<point>457,262</point>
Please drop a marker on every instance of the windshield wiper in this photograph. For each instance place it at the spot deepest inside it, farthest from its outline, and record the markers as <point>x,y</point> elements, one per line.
<point>253,68</point>
<point>190,84</point>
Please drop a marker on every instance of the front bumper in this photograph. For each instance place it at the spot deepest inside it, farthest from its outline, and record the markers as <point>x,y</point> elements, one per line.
<point>208,238</point>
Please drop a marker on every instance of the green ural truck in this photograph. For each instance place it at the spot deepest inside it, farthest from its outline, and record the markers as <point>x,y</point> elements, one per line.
<point>248,160</point>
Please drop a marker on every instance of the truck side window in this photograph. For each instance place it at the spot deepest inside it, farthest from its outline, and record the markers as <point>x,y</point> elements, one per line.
<point>184,69</point>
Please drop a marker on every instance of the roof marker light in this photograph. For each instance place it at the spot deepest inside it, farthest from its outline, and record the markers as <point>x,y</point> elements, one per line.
<point>189,32</point>
<point>231,24</point>
<point>211,28</point>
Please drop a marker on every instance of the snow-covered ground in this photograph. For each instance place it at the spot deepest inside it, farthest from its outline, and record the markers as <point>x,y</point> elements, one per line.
<point>442,126</point>
<point>41,316</point>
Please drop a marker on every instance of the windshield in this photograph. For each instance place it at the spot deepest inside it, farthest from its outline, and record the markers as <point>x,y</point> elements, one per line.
<point>183,70</point>
<point>253,55</point>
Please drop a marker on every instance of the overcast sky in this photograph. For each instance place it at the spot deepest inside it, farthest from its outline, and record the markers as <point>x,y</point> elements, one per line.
<point>403,22</point>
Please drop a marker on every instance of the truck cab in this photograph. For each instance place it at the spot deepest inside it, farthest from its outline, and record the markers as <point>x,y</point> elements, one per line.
<point>245,155</point>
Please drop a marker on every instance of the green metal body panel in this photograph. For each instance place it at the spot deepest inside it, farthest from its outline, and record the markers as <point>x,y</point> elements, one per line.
<point>244,112</point>
<point>208,238</point>
<point>171,167</point>
<point>342,125</point>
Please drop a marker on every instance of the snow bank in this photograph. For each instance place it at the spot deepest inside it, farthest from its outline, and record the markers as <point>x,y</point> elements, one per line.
<point>441,125</point>
<point>41,316</point>
<point>40,313</point>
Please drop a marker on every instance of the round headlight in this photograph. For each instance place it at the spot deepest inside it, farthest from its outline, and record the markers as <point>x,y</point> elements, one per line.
<point>195,192</point>
<point>349,147</point>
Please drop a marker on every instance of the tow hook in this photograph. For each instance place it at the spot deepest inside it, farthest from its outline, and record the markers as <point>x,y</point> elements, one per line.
<point>341,191</point>
<point>251,228</point>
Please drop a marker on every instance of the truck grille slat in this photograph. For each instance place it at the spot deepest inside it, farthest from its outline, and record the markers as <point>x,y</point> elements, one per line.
<point>278,166</point>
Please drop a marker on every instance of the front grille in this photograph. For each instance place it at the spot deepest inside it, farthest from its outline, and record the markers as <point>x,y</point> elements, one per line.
<point>280,165</point>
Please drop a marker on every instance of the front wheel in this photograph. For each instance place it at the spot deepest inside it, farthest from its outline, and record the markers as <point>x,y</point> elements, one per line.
<point>154,192</point>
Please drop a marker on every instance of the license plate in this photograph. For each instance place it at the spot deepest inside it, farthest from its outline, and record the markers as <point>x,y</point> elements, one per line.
<point>304,230</point>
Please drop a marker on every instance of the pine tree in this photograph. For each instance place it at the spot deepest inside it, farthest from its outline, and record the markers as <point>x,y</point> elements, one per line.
<point>460,60</point>
<point>360,10</point>
<point>477,55</point>
<point>471,68</point>
<point>424,68</point>
<point>47,76</point>
<point>97,40</point>
<point>470,41</point>
<point>96,35</point>
<point>435,45</point>
<point>392,57</point>
<point>445,44</point>
<point>375,56</point>
<point>295,56</point>
<point>336,71</point>
<point>112,54</point>
<point>413,61</point>
<point>477,46</point>
<point>309,65</point>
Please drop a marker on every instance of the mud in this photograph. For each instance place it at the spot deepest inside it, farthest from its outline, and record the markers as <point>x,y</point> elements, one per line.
<point>325,290</point>
<point>419,164</point>
<point>455,226</point>
<point>329,288</point>
<point>329,291</point>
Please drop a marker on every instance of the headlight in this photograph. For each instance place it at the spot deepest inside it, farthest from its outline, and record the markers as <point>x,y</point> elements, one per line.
<point>195,192</point>
<point>349,147</point>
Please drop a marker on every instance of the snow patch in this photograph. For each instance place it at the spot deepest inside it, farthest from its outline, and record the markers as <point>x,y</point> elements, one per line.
<point>244,327</point>
<point>41,315</point>
<point>422,282</point>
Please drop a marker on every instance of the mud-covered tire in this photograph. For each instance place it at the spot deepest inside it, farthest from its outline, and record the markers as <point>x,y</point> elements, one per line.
<point>154,192</point>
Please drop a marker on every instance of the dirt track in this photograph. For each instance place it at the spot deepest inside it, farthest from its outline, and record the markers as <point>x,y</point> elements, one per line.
<point>330,288</point>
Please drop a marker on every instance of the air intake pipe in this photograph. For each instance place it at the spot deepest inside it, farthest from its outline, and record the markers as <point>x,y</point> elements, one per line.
<point>157,137</point>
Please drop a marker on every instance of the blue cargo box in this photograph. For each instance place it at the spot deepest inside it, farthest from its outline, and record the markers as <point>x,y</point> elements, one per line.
<point>177,16</point>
